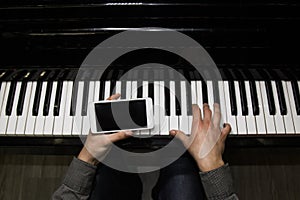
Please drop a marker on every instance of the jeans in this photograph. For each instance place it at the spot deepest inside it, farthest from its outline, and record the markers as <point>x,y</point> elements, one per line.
<point>178,181</point>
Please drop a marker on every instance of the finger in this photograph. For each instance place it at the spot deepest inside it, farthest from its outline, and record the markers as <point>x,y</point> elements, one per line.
<point>225,130</point>
<point>181,136</point>
<point>217,115</point>
<point>114,96</point>
<point>207,114</point>
<point>196,118</point>
<point>119,136</point>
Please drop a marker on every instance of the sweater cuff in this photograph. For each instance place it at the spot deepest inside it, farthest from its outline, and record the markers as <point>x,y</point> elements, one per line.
<point>80,176</point>
<point>218,183</point>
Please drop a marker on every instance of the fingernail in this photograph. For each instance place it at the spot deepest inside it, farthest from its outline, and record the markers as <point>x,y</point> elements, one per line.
<point>172,131</point>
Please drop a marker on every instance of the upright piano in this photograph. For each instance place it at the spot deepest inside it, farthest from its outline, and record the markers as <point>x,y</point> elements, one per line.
<point>253,43</point>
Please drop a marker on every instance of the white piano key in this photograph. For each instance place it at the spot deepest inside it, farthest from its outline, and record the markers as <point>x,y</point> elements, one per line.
<point>296,118</point>
<point>193,92</point>
<point>40,119</point>
<point>3,116</point>
<point>240,119</point>
<point>21,122</point>
<point>163,119</point>
<point>288,119</point>
<point>210,95</point>
<point>30,119</point>
<point>155,130</point>
<point>12,120</point>
<point>118,87</point>
<point>77,124</point>
<point>199,96</point>
<point>250,118</point>
<point>128,89</point>
<point>230,118</point>
<point>222,103</point>
<point>68,119</point>
<point>145,95</point>
<point>173,117</point>
<point>107,90</point>
<point>97,91</point>
<point>59,120</point>
<point>184,119</point>
<point>277,117</point>
<point>260,118</point>
<point>134,89</point>
<point>86,120</point>
<point>269,119</point>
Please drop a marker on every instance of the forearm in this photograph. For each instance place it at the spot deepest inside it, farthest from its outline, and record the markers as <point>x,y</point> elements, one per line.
<point>218,184</point>
<point>78,181</point>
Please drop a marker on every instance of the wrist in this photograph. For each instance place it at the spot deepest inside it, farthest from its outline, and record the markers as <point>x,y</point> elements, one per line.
<point>85,156</point>
<point>206,166</point>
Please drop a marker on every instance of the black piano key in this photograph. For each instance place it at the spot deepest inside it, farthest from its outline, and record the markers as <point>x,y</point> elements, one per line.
<point>281,98</point>
<point>253,91</point>
<point>204,92</point>
<point>47,98</point>
<point>140,84</point>
<point>74,99</point>
<point>167,92</point>
<point>37,97</point>
<point>102,88</point>
<point>57,100</point>
<point>113,81</point>
<point>61,76</point>
<point>11,96</point>
<point>296,95</point>
<point>123,89</point>
<point>254,97</point>
<point>86,88</point>
<point>21,98</point>
<point>188,93</point>
<point>23,89</point>
<point>167,98</point>
<point>243,95</point>
<point>270,97</point>
<point>233,104</point>
<point>151,91</point>
<point>18,76</point>
<point>269,91</point>
<point>177,93</point>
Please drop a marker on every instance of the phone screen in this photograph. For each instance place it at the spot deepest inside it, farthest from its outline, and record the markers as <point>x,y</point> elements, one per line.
<point>121,115</point>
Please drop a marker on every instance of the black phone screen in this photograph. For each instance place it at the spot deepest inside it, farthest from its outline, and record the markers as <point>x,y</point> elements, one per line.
<point>121,115</point>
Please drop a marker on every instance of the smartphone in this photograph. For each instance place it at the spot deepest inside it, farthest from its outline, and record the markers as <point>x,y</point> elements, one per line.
<point>116,115</point>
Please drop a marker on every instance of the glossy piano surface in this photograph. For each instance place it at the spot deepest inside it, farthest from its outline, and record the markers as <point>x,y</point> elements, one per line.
<point>254,44</point>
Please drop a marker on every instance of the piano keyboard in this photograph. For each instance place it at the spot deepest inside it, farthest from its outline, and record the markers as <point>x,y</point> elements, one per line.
<point>40,106</point>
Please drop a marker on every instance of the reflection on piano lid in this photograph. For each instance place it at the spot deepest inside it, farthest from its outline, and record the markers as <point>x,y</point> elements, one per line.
<point>43,45</point>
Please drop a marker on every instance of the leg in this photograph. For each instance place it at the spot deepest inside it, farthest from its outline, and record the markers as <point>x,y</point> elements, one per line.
<point>111,184</point>
<point>179,181</point>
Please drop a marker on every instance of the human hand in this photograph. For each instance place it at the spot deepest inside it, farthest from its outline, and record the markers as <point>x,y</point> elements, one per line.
<point>207,141</point>
<point>97,146</point>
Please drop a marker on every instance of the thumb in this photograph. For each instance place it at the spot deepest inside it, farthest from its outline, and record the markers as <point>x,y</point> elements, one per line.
<point>119,136</point>
<point>225,130</point>
<point>181,136</point>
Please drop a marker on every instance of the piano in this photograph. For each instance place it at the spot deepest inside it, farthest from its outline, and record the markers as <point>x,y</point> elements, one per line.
<point>253,43</point>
